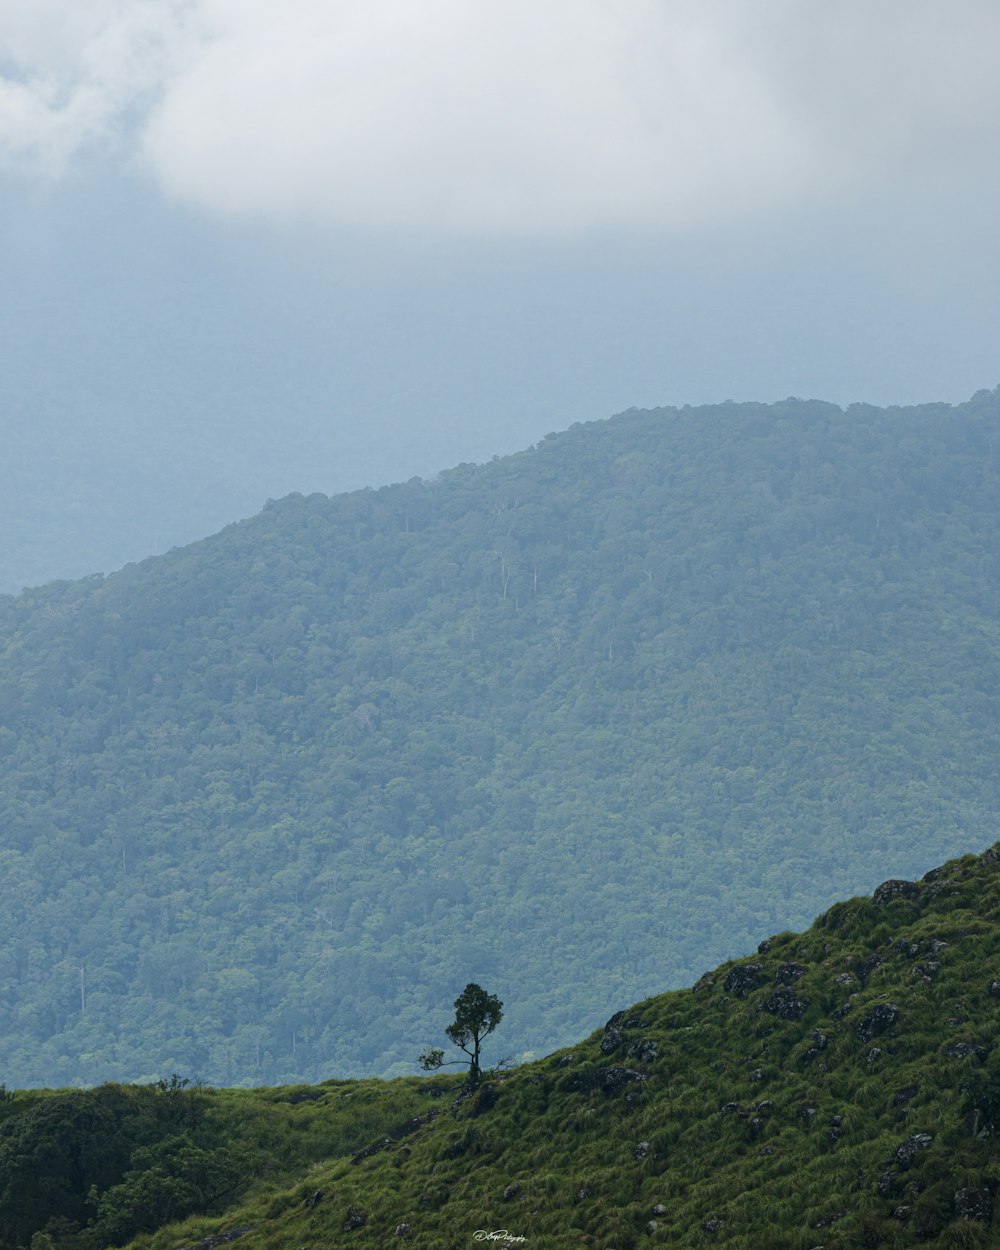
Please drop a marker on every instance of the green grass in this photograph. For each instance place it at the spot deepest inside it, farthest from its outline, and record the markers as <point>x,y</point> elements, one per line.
<point>747,1131</point>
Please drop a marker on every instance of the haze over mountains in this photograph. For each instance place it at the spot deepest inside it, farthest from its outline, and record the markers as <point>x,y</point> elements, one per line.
<point>576,723</point>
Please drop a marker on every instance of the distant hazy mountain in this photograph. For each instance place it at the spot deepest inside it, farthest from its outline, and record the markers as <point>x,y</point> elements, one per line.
<point>575,724</point>
<point>837,1088</point>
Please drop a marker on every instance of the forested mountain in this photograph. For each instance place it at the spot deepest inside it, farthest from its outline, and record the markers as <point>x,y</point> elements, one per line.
<point>839,1088</point>
<point>575,724</point>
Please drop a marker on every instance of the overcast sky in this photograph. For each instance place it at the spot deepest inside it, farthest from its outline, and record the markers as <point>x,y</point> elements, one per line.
<point>328,243</point>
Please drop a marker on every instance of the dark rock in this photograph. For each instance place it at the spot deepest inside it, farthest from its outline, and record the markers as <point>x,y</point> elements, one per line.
<point>641,1149</point>
<point>928,969</point>
<point>974,1204</point>
<point>937,945</point>
<point>355,1219</point>
<point>995,989</point>
<point>643,1050</point>
<point>836,1128</point>
<point>895,889</point>
<point>827,1220</point>
<point>933,874</point>
<point>511,1192</point>
<point>220,1239</point>
<point>820,1039</point>
<point>905,947</point>
<point>612,1038</point>
<point>382,1144</point>
<point>704,982</point>
<point>651,1227</point>
<point>610,1080</point>
<point>764,1107</point>
<point>756,1126</point>
<point>901,1213</point>
<point>844,978</point>
<point>876,1021</point>
<point>784,1004</point>
<point>842,1010</point>
<point>457,1148</point>
<point>659,1209</point>
<point>962,1050</point>
<point>614,1030</point>
<point>582,1194</point>
<point>402,1230</point>
<point>486,1101</point>
<point>757,1074</point>
<point>787,973</point>
<point>885,1184</point>
<point>903,1097</point>
<point>992,856</point>
<point>314,1198</point>
<point>731,1108</point>
<point>566,1061</point>
<point>908,1151</point>
<point>764,946</point>
<point>807,1113</point>
<point>873,1055</point>
<point>714,1225</point>
<point>870,963</point>
<point>411,1126</point>
<point>742,979</point>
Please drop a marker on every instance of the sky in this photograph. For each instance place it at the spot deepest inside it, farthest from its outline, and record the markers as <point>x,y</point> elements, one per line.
<point>247,248</point>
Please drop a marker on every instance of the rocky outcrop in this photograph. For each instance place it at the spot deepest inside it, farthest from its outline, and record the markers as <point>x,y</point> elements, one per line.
<point>908,1150</point>
<point>609,1080</point>
<point>614,1030</point>
<point>974,1204</point>
<point>219,1239</point>
<point>893,889</point>
<point>742,979</point>
<point>876,1022</point>
<point>784,1004</point>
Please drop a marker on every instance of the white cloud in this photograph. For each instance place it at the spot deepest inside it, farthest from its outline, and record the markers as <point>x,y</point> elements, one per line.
<point>532,116</point>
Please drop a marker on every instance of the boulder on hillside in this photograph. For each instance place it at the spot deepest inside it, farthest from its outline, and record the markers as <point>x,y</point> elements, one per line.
<point>876,1021</point>
<point>974,1204</point>
<point>742,979</point>
<point>895,888</point>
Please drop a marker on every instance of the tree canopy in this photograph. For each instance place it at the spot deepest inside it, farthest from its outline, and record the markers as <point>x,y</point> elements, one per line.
<point>574,724</point>
<point>477,1014</point>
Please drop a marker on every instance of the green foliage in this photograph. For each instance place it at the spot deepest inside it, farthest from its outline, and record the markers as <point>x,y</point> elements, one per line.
<point>704,1117</point>
<point>477,1014</point>
<point>87,1169</point>
<point>577,724</point>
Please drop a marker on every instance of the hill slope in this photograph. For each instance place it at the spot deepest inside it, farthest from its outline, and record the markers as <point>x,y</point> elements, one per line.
<point>573,724</point>
<point>840,1088</point>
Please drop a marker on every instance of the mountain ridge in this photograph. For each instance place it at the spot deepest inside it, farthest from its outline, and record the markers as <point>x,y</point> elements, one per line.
<point>682,673</point>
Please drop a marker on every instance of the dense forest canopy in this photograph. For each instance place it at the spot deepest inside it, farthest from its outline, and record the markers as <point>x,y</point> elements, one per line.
<point>575,724</point>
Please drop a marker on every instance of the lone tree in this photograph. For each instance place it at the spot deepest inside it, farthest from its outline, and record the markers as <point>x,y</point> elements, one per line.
<point>477,1014</point>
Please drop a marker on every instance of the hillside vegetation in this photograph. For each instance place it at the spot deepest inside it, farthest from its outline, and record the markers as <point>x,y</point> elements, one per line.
<point>840,1088</point>
<point>574,724</point>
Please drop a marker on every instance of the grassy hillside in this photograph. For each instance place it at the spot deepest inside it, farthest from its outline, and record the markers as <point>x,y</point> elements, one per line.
<point>839,1088</point>
<point>574,724</point>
